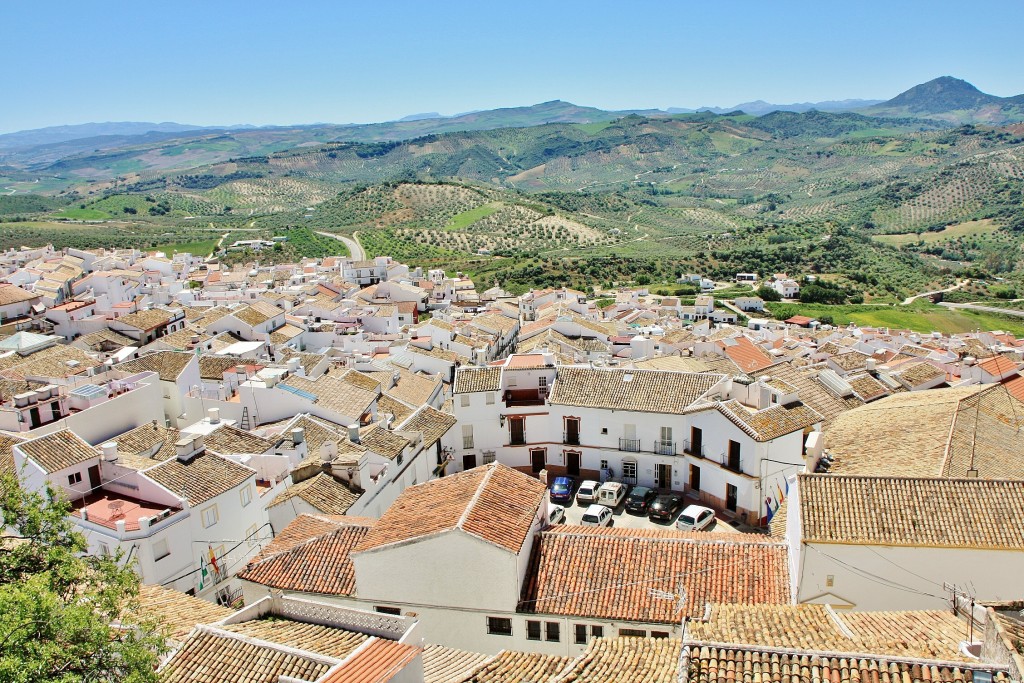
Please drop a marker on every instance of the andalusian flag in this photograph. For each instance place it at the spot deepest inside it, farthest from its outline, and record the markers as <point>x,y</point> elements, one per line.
<point>203,573</point>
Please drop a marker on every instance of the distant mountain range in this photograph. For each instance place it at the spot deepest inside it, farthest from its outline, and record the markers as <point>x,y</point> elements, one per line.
<point>951,99</point>
<point>946,98</point>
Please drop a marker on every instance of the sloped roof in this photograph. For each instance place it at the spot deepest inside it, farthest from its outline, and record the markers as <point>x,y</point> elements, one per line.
<point>311,563</point>
<point>949,513</point>
<point>471,380</point>
<point>323,492</point>
<point>610,573</point>
<point>494,503</point>
<point>206,476</point>
<point>654,391</point>
<point>58,451</point>
<point>168,364</point>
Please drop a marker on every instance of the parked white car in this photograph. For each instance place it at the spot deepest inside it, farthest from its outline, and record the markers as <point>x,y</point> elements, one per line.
<point>695,518</point>
<point>611,494</point>
<point>597,515</point>
<point>587,493</point>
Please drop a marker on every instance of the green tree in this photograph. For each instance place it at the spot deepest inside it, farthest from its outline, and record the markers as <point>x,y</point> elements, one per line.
<point>768,294</point>
<point>66,616</point>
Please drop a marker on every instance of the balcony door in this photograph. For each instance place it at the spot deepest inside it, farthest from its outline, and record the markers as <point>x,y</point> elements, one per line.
<point>517,430</point>
<point>572,431</point>
<point>697,441</point>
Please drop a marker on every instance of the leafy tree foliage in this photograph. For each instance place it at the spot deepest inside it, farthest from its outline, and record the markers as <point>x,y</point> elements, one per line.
<point>768,294</point>
<point>65,616</point>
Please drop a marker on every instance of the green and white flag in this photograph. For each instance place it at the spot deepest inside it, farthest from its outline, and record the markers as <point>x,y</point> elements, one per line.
<point>203,573</point>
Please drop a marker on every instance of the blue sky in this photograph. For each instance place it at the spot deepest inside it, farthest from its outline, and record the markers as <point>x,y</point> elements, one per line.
<point>224,62</point>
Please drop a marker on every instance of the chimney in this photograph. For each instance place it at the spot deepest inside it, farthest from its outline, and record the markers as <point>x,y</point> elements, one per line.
<point>353,433</point>
<point>298,436</point>
<point>184,451</point>
<point>480,356</point>
<point>214,415</point>
<point>109,451</point>
<point>389,419</point>
<point>869,365</point>
<point>293,366</point>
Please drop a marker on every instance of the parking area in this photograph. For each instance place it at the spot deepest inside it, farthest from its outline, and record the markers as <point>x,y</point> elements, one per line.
<point>628,520</point>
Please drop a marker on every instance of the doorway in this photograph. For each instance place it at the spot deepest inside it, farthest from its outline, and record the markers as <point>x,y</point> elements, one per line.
<point>730,498</point>
<point>538,457</point>
<point>572,463</point>
<point>694,478</point>
<point>469,461</point>
<point>94,477</point>
<point>663,476</point>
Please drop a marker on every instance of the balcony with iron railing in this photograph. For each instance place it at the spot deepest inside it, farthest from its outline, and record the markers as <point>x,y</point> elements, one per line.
<point>571,438</point>
<point>733,464</point>
<point>629,445</point>
<point>696,450</point>
<point>663,447</point>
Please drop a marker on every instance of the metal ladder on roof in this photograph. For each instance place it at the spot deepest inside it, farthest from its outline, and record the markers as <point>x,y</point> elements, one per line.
<point>246,425</point>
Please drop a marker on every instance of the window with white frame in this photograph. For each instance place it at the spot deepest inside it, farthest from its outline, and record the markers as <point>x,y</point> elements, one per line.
<point>490,398</point>
<point>74,478</point>
<point>246,495</point>
<point>210,516</point>
<point>467,436</point>
<point>464,400</point>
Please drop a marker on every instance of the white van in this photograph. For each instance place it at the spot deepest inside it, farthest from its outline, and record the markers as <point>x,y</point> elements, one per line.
<point>611,494</point>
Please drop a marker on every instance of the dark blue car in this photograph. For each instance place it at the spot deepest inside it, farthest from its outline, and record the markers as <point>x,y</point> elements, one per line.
<point>562,490</point>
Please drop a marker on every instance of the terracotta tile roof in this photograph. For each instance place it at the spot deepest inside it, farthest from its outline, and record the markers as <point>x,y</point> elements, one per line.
<point>679,363</point>
<point>307,527</point>
<point>927,634</point>
<point>493,502</point>
<point>204,477</point>
<point>11,294</point>
<point>285,333</point>
<point>50,362</point>
<point>100,338</point>
<point>516,667</point>
<point>576,572</point>
<point>58,450</point>
<point>388,404</point>
<point>147,320</point>
<point>378,662</point>
<point>168,364</point>
<point>747,355</point>
<point>868,388</point>
<point>1015,385</point>
<point>953,513</point>
<point>413,388</point>
<point>916,374</point>
<point>257,313</point>
<point>323,492</point>
<point>997,365</point>
<point>769,423</point>
<point>435,352</point>
<point>713,662</point>
<point>934,433</point>
<point>448,665</point>
<point>177,611</point>
<point>217,656</point>
<point>318,564</point>
<point>7,442</point>
<point>627,660</point>
<point>654,391</point>
<point>322,640</point>
<point>214,367</point>
<point>148,441</point>
<point>230,440</point>
<point>383,442</point>
<point>335,394</point>
<point>432,423</point>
